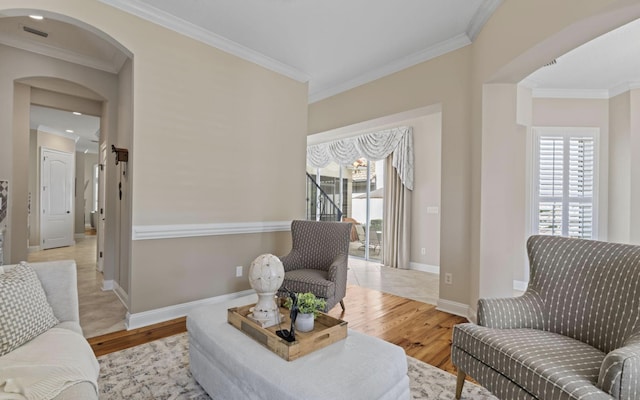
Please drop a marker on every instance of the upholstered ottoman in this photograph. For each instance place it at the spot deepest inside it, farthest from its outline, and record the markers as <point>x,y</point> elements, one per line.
<point>230,365</point>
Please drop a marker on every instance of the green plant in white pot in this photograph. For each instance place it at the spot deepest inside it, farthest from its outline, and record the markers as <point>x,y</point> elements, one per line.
<point>308,308</point>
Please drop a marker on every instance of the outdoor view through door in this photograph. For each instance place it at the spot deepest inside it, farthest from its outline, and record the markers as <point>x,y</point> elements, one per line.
<point>352,193</point>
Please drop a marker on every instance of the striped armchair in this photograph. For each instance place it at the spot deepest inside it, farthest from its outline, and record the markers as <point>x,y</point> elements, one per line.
<point>318,260</point>
<point>574,334</point>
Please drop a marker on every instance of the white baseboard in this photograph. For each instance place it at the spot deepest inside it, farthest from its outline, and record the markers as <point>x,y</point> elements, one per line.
<point>433,269</point>
<point>473,315</point>
<point>453,307</point>
<point>137,320</point>
<point>78,235</point>
<point>33,249</point>
<point>108,285</point>
<point>121,294</point>
<point>520,285</point>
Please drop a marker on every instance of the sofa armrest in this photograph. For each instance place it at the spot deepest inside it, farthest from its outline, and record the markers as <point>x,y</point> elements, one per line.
<point>526,311</point>
<point>338,273</point>
<point>60,283</point>
<point>619,371</point>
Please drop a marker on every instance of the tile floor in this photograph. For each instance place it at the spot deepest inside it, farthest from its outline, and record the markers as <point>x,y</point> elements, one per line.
<point>102,312</point>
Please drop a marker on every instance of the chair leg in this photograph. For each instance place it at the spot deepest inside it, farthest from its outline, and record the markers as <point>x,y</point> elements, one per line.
<point>342,304</point>
<point>460,383</point>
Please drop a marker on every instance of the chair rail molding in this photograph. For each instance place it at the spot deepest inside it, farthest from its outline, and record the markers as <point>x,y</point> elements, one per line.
<point>148,232</point>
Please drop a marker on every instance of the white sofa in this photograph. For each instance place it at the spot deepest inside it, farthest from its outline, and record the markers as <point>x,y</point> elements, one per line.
<point>59,281</point>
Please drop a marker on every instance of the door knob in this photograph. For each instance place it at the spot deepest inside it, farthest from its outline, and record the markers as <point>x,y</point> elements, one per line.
<point>68,212</point>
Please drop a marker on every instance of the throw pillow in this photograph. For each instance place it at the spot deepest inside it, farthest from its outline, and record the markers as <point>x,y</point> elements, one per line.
<point>24,310</point>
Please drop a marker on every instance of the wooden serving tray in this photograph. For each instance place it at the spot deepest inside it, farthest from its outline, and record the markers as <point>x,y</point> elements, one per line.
<point>327,330</point>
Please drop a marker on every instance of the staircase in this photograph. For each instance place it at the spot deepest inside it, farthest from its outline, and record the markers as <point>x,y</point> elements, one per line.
<point>319,205</point>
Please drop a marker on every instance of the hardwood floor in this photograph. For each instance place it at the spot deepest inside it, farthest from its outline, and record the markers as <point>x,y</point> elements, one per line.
<point>421,330</point>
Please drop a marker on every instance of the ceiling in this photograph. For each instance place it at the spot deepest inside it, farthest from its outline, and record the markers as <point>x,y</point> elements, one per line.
<point>335,45</point>
<point>604,67</point>
<point>86,128</point>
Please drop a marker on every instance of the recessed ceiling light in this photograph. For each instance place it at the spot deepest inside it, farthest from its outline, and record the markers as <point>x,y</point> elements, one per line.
<point>38,17</point>
<point>69,131</point>
<point>77,113</point>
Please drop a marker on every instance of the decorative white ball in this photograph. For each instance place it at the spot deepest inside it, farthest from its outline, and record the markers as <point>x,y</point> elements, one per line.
<point>266,274</point>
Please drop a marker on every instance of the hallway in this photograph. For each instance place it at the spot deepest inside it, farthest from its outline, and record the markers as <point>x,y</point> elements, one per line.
<point>100,311</point>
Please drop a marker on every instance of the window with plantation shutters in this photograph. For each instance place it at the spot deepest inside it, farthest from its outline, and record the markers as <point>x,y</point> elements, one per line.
<point>565,182</point>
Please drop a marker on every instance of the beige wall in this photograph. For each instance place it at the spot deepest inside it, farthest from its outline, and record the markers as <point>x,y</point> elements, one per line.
<point>124,139</point>
<point>511,45</point>
<point>90,159</point>
<point>634,150</point>
<point>215,139</point>
<point>444,81</point>
<point>619,168</point>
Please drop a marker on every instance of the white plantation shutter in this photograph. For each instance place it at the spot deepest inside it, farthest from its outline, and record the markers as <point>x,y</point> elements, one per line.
<point>565,182</point>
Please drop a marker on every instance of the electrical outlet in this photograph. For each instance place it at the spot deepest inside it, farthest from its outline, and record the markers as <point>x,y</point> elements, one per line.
<point>423,251</point>
<point>239,271</point>
<point>448,278</point>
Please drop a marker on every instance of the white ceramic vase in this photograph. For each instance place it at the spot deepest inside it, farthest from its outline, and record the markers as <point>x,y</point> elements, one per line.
<point>304,322</point>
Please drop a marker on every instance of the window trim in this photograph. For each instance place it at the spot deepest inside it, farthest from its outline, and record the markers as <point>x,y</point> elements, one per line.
<point>533,172</point>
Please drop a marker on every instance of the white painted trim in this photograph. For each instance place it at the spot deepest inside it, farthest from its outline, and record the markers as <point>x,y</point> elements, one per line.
<point>33,249</point>
<point>453,307</point>
<point>482,16</point>
<point>162,18</point>
<point>541,93</point>
<point>53,131</point>
<point>145,318</point>
<point>421,56</point>
<point>364,127</point>
<point>433,269</point>
<point>108,285</point>
<point>520,285</point>
<point>147,232</point>
<point>472,315</point>
<point>121,295</point>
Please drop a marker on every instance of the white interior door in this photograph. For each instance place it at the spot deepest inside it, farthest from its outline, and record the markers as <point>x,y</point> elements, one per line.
<point>101,199</point>
<point>56,198</point>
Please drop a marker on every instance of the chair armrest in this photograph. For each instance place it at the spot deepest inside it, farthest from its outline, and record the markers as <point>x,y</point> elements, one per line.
<point>526,311</point>
<point>60,283</point>
<point>619,371</point>
<point>338,268</point>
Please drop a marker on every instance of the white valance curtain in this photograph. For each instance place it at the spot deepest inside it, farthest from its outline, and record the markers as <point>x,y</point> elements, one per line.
<point>372,146</point>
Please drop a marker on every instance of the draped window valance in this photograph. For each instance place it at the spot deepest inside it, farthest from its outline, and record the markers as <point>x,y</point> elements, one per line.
<point>373,146</point>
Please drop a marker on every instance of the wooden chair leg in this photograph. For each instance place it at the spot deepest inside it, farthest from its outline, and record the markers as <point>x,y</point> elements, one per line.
<point>342,304</point>
<point>460,383</point>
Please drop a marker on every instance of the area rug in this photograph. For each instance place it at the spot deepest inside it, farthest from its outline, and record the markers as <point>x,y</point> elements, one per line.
<point>160,370</point>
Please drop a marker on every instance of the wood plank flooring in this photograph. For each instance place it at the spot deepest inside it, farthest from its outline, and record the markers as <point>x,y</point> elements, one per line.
<point>421,330</point>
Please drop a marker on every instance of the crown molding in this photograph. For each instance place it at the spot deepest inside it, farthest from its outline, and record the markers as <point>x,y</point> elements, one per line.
<point>57,52</point>
<point>47,129</point>
<point>540,93</point>
<point>427,54</point>
<point>625,87</point>
<point>193,31</point>
<point>481,17</point>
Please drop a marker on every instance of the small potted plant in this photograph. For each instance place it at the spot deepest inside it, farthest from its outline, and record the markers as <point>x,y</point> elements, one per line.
<point>308,308</point>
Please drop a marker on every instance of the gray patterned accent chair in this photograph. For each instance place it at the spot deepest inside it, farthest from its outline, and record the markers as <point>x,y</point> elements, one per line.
<point>318,260</point>
<point>574,334</point>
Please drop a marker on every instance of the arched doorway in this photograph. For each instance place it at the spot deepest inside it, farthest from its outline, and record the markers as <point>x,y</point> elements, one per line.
<point>69,66</point>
